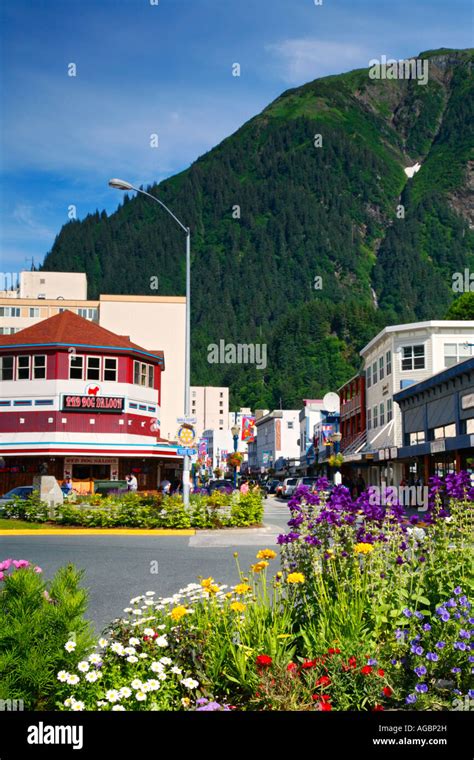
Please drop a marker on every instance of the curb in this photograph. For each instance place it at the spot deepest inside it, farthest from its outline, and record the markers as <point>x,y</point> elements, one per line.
<point>100,532</point>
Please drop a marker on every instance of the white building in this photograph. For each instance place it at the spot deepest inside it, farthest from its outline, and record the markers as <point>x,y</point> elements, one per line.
<point>309,416</point>
<point>210,407</point>
<point>154,322</point>
<point>397,357</point>
<point>278,435</point>
<point>219,445</point>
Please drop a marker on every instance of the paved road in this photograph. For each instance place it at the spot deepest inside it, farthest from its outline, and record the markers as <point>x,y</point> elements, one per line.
<point>118,568</point>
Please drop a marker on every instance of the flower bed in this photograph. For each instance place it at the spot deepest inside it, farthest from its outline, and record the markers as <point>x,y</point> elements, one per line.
<point>370,611</point>
<point>132,510</point>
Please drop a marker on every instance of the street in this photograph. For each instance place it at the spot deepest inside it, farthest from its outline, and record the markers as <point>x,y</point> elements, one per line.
<point>117,568</point>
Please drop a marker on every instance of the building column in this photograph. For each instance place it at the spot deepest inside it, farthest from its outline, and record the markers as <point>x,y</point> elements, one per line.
<point>457,461</point>
<point>426,469</point>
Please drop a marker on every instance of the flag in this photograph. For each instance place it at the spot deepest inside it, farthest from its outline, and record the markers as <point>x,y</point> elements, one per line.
<point>248,429</point>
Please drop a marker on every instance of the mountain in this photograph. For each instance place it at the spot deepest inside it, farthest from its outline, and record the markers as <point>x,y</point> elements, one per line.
<point>313,187</point>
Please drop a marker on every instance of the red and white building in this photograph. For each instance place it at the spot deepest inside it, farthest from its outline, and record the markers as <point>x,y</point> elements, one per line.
<point>82,401</point>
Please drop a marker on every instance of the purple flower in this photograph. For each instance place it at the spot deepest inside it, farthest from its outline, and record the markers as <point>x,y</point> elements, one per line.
<point>471,658</point>
<point>432,656</point>
<point>451,603</point>
<point>420,671</point>
<point>416,649</point>
<point>410,699</point>
<point>440,644</point>
<point>470,693</point>
<point>370,661</point>
<point>202,701</point>
<point>445,616</point>
<point>458,590</point>
<point>427,627</point>
<point>421,688</point>
<point>460,645</point>
<point>455,670</point>
<point>399,560</point>
<point>464,634</point>
<point>422,559</point>
<point>408,613</point>
<point>419,615</point>
<point>394,662</point>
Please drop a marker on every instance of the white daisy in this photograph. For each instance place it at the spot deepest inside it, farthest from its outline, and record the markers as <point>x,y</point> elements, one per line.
<point>132,658</point>
<point>148,632</point>
<point>125,692</point>
<point>83,666</point>
<point>149,593</point>
<point>190,683</point>
<point>117,648</point>
<point>140,696</point>
<point>152,684</point>
<point>63,675</point>
<point>162,676</point>
<point>136,684</point>
<point>134,642</point>
<point>176,670</point>
<point>70,646</point>
<point>73,679</point>
<point>161,641</point>
<point>69,701</point>
<point>112,695</point>
<point>118,708</point>
<point>103,642</point>
<point>157,667</point>
<point>95,659</point>
<point>130,650</point>
<point>143,656</point>
<point>78,706</point>
<point>166,661</point>
<point>92,676</point>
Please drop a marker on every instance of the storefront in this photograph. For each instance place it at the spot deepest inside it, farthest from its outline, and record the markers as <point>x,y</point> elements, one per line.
<point>86,408</point>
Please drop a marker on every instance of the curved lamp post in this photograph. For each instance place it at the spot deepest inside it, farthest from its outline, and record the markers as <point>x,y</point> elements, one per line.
<point>120,184</point>
<point>235,435</point>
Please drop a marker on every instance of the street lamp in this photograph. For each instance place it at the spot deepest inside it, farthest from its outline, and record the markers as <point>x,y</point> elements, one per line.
<point>120,184</point>
<point>235,430</point>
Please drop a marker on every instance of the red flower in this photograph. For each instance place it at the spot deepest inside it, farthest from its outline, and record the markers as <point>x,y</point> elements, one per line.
<point>377,708</point>
<point>325,706</point>
<point>264,660</point>
<point>387,691</point>
<point>381,672</point>
<point>292,667</point>
<point>146,638</point>
<point>323,681</point>
<point>352,662</point>
<point>334,651</point>
<point>366,670</point>
<point>309,664</point>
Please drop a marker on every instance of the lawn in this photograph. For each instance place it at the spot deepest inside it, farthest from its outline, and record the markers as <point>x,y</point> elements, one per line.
<point>6,524</point>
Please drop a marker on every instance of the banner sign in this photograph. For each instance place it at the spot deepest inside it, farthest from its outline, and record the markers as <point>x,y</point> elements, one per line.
<point>248,429</point>
<point>110,404</point>
<point>202,448</point>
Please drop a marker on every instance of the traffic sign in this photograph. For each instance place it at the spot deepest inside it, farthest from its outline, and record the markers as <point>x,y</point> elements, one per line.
<point>183,452</point>
<point>189,420</point>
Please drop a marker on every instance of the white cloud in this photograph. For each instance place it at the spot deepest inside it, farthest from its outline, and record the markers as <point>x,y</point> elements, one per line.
<point>302,59</point>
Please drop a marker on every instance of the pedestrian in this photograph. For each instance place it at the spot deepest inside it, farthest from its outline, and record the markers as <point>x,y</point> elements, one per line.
<point>165,486</point>
<point>244,488</point>
<point>67,485</point>
<point>132,482</point>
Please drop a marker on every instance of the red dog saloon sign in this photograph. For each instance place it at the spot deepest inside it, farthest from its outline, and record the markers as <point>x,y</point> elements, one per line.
<point>111,404</point>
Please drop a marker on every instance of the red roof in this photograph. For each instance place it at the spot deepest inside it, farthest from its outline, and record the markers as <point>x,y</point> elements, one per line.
<point>69,329</point>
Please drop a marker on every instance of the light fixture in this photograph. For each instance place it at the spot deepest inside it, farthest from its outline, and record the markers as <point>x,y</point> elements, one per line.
<point>120,184</point>
<point>235,430</point>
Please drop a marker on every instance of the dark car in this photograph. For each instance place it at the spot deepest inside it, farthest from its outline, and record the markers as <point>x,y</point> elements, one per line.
<point>20,492</point>
<point>220,485</point>
<point>272,485</point>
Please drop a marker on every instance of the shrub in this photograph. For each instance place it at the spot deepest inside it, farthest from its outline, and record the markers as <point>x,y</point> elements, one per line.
<point>31,509</point>
<point>38,618</point>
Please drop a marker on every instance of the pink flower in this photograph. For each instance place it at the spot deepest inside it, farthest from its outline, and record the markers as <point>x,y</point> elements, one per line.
<point>19,563</point>
<point>5,564</point>
<point>38,569</point>
<point>2,575</point>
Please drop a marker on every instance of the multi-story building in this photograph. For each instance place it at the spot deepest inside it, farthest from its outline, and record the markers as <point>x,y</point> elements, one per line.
<point>309,416</point>
<point>278,440</point>
<point>438,424</point>
<point>219,445</point>
<point>396,358</point>
<point>210,407</point>
<point>82,401</point>
<point>149,321</point>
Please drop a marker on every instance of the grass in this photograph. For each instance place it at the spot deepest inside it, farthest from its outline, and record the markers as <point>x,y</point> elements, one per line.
<point>6,524</point>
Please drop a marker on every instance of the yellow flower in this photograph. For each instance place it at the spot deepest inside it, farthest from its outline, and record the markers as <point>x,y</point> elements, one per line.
<point>284,636</point>
<point>178,612</point>
<point>185,701</point>
<point>242,588</point>
<point>363,548</point>
<point>237,607</point>
<point>266,554</point>
<point>295,578</point>
<point>279,574</point>
<point>206,582</point>
<point>258,567</point>
<point>236,554</point>
<point>229,595</point>
<point>212,589</point>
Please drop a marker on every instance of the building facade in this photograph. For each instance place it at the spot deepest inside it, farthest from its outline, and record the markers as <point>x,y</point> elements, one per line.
<point>400,356</point>
<point>310,415</point>
<point>210,407</point>
<point>79,400</point>
<point>438,424</point>
<point>278,440</point>
<point>150,321</point>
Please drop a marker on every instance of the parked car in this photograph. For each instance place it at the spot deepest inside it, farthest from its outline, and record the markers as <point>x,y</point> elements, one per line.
<point>309,481</point>
<point>21,492</point>
<point>288,488</point>
<point>272,485</point>
<point>218,485</point>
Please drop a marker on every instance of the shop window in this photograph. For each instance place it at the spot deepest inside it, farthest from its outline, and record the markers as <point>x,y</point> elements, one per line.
<point>110,369</point>
<point>413,357</point>
<point>23,368</point>
<point>6,368</point>
<point>418,437</point>
<point>93,368</point>
<point>76,367</point>
<point>445,431</point>
<point>470,426</point>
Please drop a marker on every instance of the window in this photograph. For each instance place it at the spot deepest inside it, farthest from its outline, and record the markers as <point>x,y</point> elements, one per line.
<point>388,362</point>
<point>6,368</point>
<point>91,314</point>
<point>9,311</point>
<point>389,410</point>
<point>289,425</point>
<point>413,357</point>
<point>446,431</point>
<point>143,374</point>
<point>368,377</point>
<point>415,438</point>
<point>39,367</point>
<point>8,330</point>
<point>456,352</point>
<point>34,312</point>
<point>470,426</point>
<point>221,395</point>
<point>221,422</point>
<point>381,372</point>
<point>369,419</point>
<point>93,368</point>
<point>374,373</point>
<point>382,414</point>
<point>23,368</point>
<point>375,416</point>
<point>76,367</point>
<point>110,370</point>
<point>193,394</point>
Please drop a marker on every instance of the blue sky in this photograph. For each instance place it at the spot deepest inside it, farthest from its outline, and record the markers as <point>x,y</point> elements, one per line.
<point>165,69</point>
